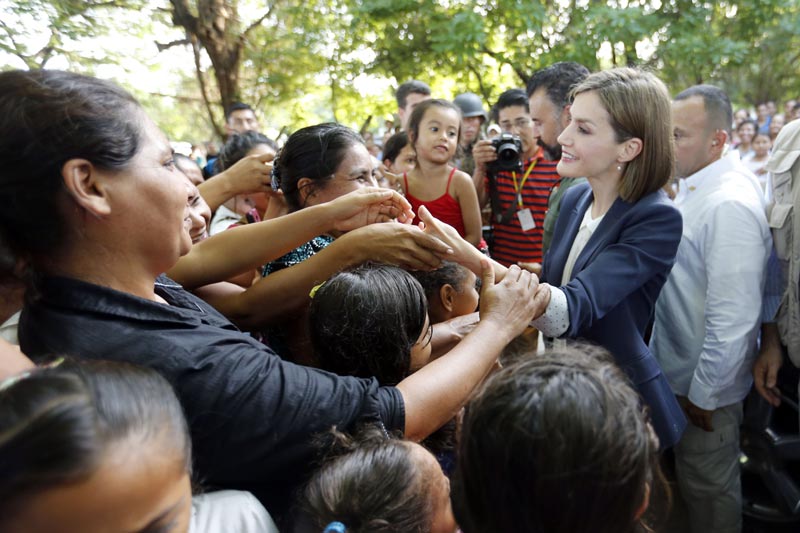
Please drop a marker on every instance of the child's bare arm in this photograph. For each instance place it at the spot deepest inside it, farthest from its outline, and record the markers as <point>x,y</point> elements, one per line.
<point>467,199</point>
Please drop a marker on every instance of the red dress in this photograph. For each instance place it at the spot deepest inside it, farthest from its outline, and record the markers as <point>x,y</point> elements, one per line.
<point>445,208</point>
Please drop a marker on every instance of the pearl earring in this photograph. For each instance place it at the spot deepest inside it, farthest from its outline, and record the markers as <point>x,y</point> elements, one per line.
<point>619,167</point>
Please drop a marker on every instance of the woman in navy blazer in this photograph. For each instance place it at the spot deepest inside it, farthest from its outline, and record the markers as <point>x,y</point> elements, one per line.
<point>616,236</point>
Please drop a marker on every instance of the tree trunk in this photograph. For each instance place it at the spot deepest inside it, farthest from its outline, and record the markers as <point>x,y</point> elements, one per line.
<point>217,29</point>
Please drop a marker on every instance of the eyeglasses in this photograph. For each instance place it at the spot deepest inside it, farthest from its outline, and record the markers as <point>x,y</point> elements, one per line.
<point>519,124</point>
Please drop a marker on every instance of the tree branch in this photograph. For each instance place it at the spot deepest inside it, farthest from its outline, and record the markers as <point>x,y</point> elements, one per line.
<point>203,88</point>
<point>257,22</point>
<point>161,47</point>
<point>501,58</point>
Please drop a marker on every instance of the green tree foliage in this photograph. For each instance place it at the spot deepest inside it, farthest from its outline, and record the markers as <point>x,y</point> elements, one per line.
<point>37,31</point>
<point>304,61</point>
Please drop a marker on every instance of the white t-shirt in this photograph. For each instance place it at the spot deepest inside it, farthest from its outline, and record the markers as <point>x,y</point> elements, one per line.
<point>229,511</point>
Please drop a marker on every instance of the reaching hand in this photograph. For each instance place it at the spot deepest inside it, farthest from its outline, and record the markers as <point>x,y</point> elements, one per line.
<point>398,244</point>
<point>464,252</point>
<point>513,302</point>
<point>367,206</point>
<point>765,372</point>
<point>251,174</point>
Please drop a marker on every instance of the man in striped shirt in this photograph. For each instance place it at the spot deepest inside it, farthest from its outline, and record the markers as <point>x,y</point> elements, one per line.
<point>520,196</point>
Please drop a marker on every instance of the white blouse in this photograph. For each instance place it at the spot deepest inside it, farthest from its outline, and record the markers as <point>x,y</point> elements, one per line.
<point>555,320</point>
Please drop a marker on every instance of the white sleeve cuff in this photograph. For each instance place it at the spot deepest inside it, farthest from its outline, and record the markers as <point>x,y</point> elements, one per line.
<point>555,320</point>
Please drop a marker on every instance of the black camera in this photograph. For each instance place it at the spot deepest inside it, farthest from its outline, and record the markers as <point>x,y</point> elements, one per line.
<point>509,148</point>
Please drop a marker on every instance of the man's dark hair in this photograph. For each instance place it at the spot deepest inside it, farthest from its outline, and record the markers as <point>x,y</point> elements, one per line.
<point>236,106</point>
<point>558,80</point>
<point>410,87</point>
<point>716,102</point>
<point>510,98</point>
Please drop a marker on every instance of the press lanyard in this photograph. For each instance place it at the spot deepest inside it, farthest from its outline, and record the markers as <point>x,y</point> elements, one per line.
<point>518,190</point>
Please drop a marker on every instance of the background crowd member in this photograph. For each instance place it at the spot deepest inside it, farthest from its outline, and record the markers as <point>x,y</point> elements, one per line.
<point>234,210</point>
<point>775,125</point>
<point>757,162</point>
<point>764,116</point>
<point>473,116</point>
<point>408,96</point>
<point>746,130</point>
<point>104,447</point>
<point>510,474</point>
<point>239,118</point>
<point>189,167</point>
<point>784,333</point>
<point>451,290</point>
<point>398,159</point>
<point>376,483</point>
<point>449,194</point>
<point>549,98</point>
<point>109,191</point>
<point>518,197</point>
<point>738,117</point>
<point>709,312</point>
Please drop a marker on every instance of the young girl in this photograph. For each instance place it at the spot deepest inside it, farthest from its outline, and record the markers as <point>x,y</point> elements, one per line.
<point>102,446</point>
<point>377,483</point>
<point>371,321</point>
<point>398,159</point>
<point>398,154</point>
<point>449,194</point>
<point>757,162</point>
<point>556,442</point>
<point>451,290</point>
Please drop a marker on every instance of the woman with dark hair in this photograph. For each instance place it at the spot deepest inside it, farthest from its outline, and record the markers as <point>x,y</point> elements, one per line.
<point>101,446</point>
<point>84,152</point>
<point>316,165</point>
<point>556,442</point>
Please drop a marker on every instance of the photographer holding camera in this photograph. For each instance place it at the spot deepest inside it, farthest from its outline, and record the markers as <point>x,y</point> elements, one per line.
<point>512,172</point>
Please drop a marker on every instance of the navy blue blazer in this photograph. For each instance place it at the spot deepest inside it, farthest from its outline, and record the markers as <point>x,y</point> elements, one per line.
<point>612,293</point>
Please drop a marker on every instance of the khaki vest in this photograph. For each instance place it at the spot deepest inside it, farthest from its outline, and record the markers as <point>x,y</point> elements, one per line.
<point>784,220</point>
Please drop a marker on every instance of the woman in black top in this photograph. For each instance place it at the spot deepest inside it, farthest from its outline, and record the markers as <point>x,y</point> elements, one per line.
<point>95,209</point>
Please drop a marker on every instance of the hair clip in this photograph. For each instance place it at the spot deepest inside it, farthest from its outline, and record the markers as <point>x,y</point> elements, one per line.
<point>314,289</point>
<point>334,527</point>
<point>11,381</point>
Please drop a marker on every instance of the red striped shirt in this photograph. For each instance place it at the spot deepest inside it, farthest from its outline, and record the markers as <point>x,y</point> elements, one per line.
<point>511,244</point>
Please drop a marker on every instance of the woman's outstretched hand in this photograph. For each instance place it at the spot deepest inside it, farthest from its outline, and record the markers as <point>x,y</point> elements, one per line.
<point>367,206</point>
<point>511,303</point>
<point>463,252</point>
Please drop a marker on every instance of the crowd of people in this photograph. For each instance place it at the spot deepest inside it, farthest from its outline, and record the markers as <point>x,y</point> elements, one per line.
<point>326,335</point>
